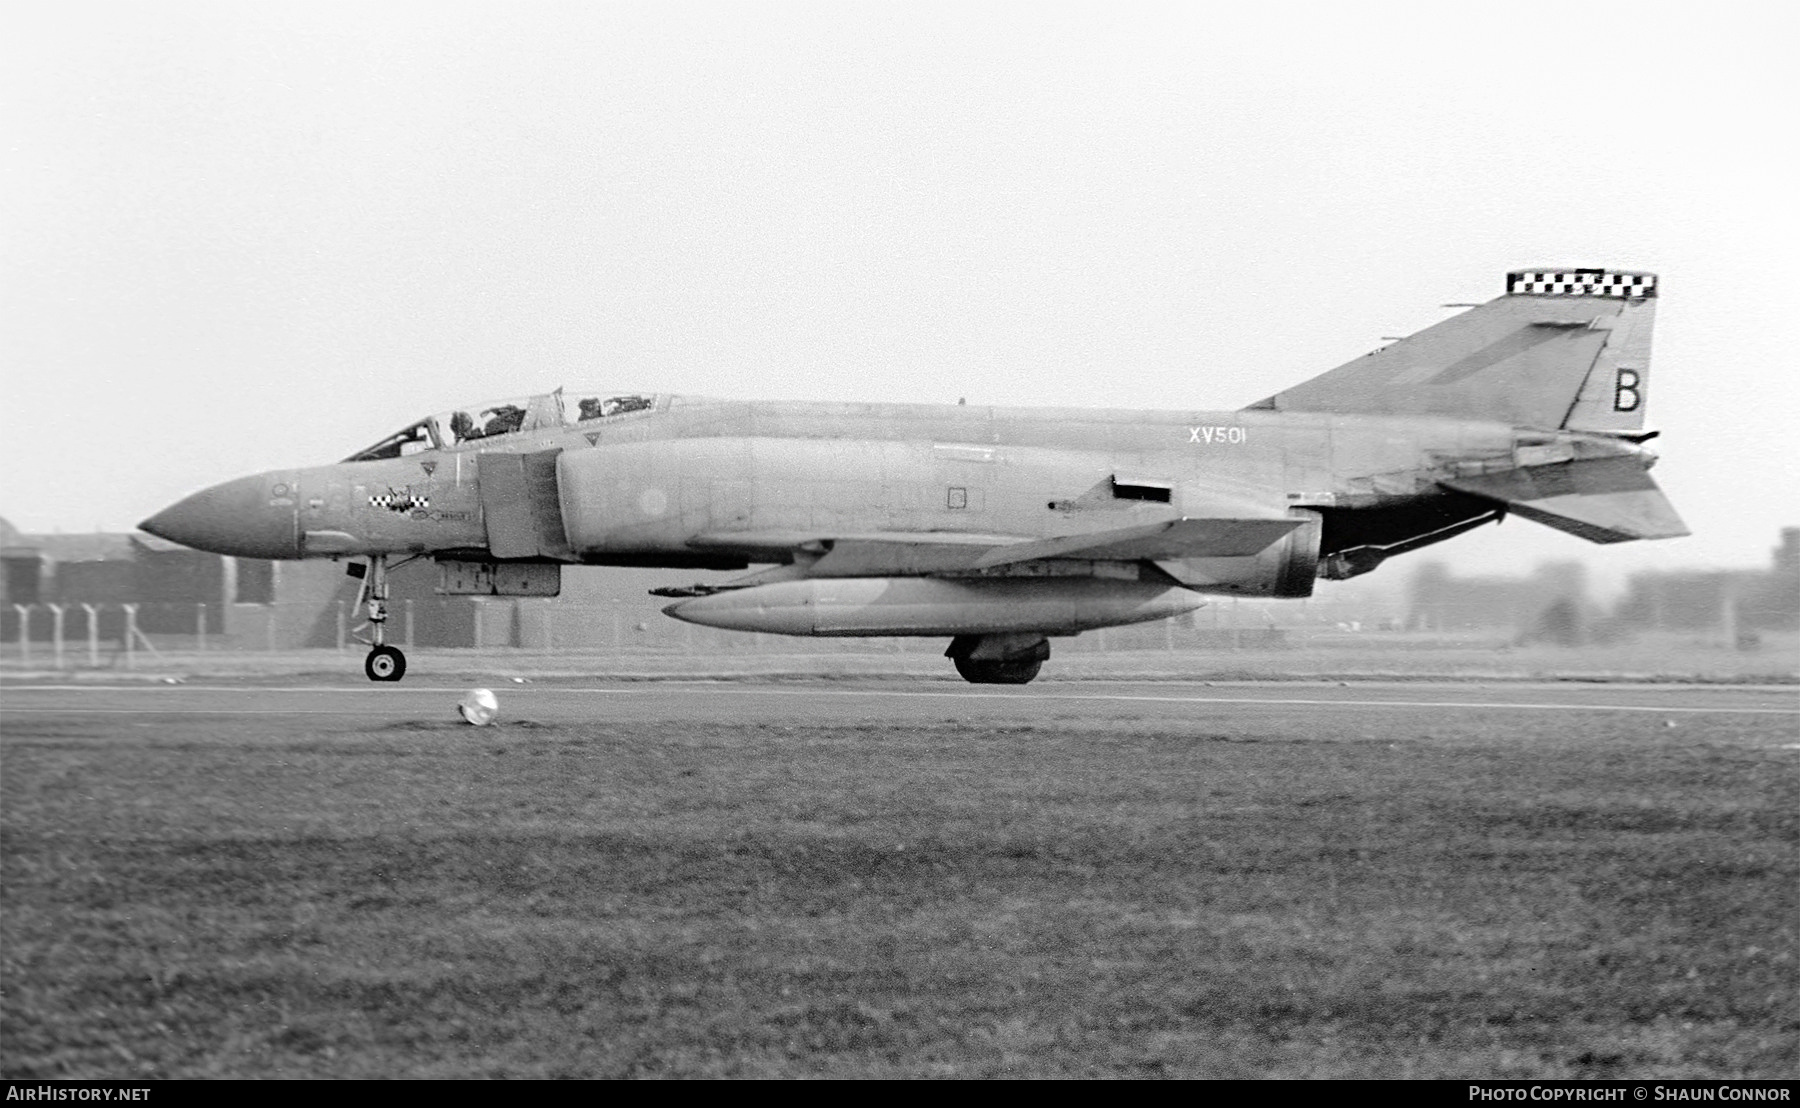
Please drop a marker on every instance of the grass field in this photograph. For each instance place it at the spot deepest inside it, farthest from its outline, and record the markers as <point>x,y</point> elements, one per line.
<point>1286,893</point>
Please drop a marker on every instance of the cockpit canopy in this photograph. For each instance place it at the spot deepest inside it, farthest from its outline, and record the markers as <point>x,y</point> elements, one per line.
<point>459,427</point>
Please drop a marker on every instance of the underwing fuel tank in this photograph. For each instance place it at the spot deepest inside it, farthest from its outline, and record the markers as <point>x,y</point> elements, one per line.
<point>936,606</point>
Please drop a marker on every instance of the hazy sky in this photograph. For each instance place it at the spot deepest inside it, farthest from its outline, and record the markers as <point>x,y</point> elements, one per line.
<point>240,236</point>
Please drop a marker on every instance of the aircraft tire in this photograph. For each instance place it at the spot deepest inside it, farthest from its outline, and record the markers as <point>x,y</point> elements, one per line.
<point>998,673</point>
<point>385,663</point>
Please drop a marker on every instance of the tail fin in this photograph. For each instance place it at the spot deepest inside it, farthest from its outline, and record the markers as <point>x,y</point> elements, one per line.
<point>1564,348</point>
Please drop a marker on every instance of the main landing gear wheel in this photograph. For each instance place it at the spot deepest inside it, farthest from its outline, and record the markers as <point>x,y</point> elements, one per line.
<point>996,672</point>
<point>1003,659</point>
<point>385,663</point>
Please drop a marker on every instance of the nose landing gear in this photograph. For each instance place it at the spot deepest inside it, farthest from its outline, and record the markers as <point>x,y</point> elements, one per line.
<point>384,663</point>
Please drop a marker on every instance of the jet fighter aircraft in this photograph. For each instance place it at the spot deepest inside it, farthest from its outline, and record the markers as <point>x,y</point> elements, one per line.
<point>998,528</point>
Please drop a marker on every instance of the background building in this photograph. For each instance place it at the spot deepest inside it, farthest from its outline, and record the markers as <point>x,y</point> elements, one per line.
<point>1552,603</point>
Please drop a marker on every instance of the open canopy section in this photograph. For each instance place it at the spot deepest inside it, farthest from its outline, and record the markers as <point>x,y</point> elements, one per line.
<point>585,407</point>
<point>562,408</point>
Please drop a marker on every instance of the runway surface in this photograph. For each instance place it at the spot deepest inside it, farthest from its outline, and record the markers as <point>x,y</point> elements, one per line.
<point>826,701</point>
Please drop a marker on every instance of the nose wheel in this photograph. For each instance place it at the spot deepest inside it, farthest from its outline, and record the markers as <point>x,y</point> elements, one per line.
<point>385,663</point>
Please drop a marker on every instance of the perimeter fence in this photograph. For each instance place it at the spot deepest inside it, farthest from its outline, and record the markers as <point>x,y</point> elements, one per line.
<point>129,635</point>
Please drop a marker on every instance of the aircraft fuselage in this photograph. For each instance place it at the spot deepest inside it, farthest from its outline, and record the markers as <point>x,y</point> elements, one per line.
<point>704,482</point>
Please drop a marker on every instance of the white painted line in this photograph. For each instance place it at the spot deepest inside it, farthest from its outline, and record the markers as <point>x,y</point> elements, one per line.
<point>1277,701</point>
<point>961,694</point>
<point>202,712</point>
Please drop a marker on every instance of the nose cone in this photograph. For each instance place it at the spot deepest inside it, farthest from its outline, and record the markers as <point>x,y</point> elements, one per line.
<point>252,517</point>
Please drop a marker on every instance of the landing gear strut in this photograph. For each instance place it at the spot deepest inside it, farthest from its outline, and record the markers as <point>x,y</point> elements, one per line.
<point>384,663</point>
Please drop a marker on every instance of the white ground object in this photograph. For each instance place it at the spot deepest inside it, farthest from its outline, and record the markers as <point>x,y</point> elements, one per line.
<point>479,707</point>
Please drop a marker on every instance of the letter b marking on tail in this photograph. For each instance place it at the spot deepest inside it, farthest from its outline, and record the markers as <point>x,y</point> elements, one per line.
<point>1626,394</point>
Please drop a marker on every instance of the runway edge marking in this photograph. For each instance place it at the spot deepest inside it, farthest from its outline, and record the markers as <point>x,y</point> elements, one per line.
<point>964,695</point>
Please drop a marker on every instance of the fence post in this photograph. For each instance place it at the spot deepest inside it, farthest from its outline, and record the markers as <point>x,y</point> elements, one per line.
<point>56,633</point>
<point>93,614</point>
<point>200,628</point>
<point>131,633</point>
<point>24,611</point>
